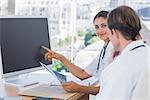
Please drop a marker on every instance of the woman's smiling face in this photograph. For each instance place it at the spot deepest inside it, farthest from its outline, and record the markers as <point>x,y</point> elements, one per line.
<point>101,28</point>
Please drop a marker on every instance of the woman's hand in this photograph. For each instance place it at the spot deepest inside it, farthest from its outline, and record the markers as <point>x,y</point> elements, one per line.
<point>71,86</point>
<point>51,54</point>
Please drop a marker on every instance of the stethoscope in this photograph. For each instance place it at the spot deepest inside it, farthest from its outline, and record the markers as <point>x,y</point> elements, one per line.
<point>137,47</point>
<point>102,54</point>
<point>103,51</point>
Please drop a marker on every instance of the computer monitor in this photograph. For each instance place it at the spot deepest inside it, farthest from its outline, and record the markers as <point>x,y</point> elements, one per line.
<point>21,39</point>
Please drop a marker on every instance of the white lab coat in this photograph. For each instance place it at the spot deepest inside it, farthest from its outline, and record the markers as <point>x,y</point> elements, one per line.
<point>142,88</point>
<point>92,67</point>
<point>119,78</point>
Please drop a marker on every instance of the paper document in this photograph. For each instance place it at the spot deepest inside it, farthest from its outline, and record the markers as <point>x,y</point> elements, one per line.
<point>2,89</point>
<point>62,78</point>
<point>47,91</point>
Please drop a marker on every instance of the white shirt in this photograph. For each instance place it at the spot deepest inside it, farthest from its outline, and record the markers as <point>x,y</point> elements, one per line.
<point>92,67</point>
<point>119,78</point>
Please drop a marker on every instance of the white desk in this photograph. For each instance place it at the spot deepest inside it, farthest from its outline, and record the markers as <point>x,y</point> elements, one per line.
<point>13,91</point>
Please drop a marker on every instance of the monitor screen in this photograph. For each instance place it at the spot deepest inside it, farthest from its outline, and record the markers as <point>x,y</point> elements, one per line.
<point>21,40</point>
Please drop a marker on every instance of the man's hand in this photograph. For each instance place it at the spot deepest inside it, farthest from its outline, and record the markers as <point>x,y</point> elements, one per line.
<point>71,86</point>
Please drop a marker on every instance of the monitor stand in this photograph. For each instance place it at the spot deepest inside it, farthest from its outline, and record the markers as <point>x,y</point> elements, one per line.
<point>21,80</point>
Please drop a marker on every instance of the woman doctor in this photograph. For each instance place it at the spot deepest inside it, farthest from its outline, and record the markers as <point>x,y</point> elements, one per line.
<point>119,79</point>
<point>96,66</point>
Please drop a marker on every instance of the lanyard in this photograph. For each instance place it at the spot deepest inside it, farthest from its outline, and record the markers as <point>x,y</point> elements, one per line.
<point>102,54</point>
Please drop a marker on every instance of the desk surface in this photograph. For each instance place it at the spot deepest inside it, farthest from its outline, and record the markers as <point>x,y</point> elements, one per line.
<point>13,91</point>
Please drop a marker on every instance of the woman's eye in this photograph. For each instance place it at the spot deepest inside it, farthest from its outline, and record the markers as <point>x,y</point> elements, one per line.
<point>96,27</point>
<point>102,26</point>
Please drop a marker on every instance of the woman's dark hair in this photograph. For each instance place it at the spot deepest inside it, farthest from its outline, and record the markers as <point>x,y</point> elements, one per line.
<point>101,14</point>
<point>125,20</point>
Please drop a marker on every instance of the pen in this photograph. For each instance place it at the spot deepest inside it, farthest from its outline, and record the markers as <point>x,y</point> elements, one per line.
<point>55,85</point>
<point>31,84</point>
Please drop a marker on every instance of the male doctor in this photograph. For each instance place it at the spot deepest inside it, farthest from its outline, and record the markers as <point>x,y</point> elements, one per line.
<point>119,79</point>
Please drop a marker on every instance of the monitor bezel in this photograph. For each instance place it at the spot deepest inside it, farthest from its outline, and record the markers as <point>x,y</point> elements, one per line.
<point>25,71</point>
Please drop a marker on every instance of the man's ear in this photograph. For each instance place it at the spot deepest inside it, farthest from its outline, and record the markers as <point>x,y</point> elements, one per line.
<point>116,33</point>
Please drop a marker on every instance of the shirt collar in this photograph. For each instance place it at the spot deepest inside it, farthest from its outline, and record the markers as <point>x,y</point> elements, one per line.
<point>132,45</point>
